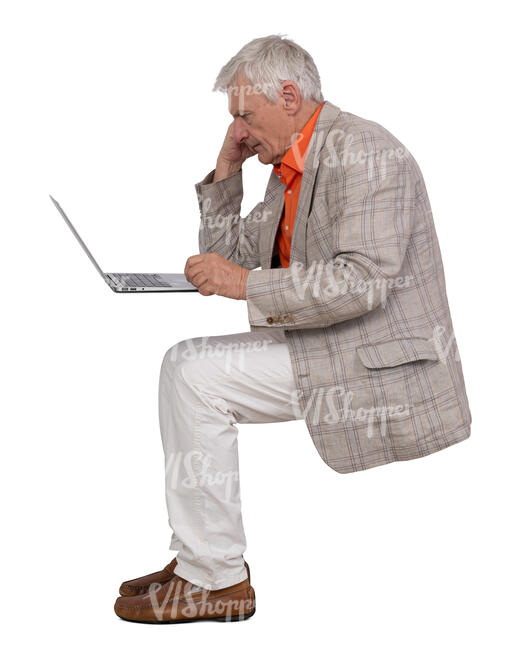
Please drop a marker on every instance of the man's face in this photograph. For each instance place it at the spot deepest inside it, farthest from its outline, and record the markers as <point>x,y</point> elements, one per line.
<point>265,128</point>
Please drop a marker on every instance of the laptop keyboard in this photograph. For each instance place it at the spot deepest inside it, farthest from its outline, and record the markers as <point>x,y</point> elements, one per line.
<point>140,280</point>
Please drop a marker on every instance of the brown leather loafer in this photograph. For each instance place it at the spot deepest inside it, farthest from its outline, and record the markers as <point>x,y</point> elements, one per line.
<point>140,586</point>
<point>180,601</point>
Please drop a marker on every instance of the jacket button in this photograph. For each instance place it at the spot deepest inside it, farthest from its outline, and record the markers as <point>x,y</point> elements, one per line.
<point>269,320</point>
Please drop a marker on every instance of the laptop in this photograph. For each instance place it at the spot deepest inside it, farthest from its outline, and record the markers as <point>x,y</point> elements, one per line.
<point>127,282</point>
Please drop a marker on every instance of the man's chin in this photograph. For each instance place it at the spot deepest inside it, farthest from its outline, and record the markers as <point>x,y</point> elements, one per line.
<point>263,156</point>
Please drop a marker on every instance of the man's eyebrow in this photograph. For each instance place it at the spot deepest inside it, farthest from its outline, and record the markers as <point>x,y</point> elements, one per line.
<point>237,113</point>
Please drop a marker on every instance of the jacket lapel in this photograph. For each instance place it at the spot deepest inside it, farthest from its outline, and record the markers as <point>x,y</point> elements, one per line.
<point>274,196</point>
<point>327,116</point>
<point>273,205</point>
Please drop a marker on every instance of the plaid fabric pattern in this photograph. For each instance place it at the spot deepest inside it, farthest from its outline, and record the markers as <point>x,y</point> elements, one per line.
<point>363,304</point>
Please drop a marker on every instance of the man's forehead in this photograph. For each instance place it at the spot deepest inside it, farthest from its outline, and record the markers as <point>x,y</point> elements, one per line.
<point>243,96</point>
<point>238,104</point>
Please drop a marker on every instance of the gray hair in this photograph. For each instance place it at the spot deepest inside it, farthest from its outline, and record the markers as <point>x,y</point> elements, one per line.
<point>268,61</point>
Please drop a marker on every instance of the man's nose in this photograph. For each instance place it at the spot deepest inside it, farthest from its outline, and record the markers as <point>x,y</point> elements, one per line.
<point>240,130</point>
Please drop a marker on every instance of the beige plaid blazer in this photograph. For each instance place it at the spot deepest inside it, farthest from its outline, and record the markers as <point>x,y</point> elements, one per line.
<point>363,304</point>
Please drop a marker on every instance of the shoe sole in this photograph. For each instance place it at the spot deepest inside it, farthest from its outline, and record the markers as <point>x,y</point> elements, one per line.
<point>221,619</point>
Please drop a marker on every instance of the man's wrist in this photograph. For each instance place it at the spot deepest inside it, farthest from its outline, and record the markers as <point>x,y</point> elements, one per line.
<point>243,292</point>
<point>225,169</point>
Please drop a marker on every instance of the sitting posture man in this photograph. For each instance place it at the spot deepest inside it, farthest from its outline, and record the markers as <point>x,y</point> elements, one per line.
<point>349,322</point>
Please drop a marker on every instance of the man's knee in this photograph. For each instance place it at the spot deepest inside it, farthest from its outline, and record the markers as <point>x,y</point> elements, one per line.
<point>196,358</point>
<point>180,359</point>
<point>174,355</point>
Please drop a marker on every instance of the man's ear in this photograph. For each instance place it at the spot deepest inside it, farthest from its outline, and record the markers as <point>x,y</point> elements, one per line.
<point>290,97</point>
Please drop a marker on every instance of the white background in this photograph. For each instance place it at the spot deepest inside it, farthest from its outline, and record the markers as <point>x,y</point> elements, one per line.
<point>108,106</point>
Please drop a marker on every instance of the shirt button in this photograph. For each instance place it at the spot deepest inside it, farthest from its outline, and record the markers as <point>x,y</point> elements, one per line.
<point>289,191</point>
<point>286,227</point>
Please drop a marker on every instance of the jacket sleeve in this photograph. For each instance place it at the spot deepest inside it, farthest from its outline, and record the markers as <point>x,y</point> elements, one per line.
<point>222,230</point>
<point>371,210</point>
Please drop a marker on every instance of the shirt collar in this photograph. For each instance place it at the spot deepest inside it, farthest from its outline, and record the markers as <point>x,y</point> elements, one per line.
<point>295,155</point>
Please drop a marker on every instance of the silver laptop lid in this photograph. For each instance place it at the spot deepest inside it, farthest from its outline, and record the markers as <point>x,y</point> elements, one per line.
<point>86,250</point>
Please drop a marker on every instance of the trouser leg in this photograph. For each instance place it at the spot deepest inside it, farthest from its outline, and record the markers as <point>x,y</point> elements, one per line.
<point>208,385</point>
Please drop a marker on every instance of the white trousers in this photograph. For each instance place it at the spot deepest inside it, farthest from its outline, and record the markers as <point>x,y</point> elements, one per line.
<point>207,385</point>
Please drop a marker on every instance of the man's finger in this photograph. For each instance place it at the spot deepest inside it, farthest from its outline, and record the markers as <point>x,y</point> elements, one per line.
<point>191,267</point>
<point>193,259</point>
<point>204,287</point>
<point>197,276</point>
<point>188,265</point>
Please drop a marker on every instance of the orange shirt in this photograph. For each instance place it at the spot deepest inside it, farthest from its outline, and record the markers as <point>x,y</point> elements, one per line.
<point>290,172</point>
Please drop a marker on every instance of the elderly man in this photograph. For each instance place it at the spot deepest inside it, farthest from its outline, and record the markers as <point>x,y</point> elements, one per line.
<point>350,327</point>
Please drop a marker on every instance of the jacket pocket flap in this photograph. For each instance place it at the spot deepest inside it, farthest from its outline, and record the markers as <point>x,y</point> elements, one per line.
<point>395,352</point>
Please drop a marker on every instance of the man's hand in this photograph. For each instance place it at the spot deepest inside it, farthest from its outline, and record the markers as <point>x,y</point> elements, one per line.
<point>213,274</point>
<point>232,151</point>
<point>232,155</point>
